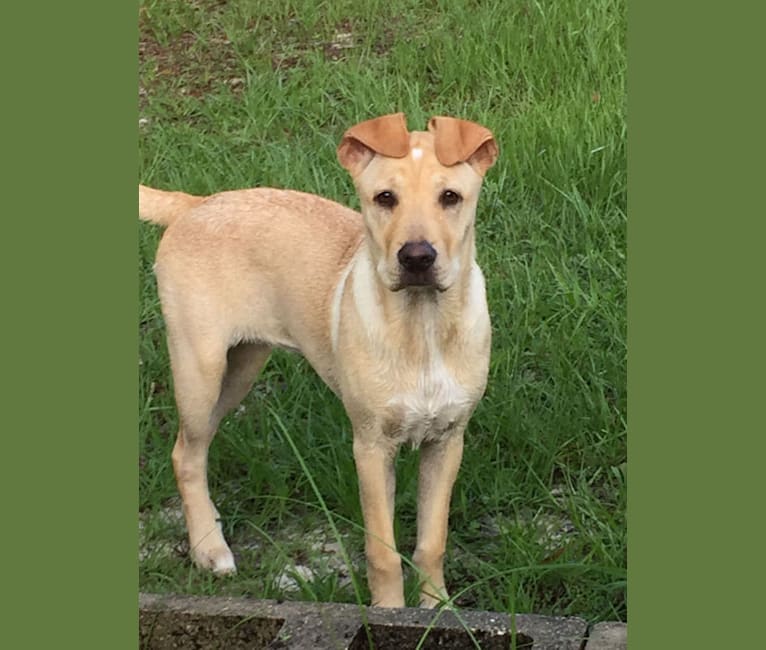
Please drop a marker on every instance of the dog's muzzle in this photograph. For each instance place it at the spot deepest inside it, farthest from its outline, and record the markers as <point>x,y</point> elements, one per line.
<point>416,260</point>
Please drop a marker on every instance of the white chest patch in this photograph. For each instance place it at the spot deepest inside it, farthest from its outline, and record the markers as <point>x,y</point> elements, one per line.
<point>416,153</point>
<point>432,409</point>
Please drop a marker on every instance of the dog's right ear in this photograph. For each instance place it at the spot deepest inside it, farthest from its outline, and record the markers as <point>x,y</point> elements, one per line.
<point>386,135</point>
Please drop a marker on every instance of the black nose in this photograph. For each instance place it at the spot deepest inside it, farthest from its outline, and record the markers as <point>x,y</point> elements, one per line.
<point>416,256</point>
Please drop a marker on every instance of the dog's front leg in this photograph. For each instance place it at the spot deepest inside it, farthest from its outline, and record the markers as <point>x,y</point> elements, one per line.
<point>377,485</point>
<point>439,464</point>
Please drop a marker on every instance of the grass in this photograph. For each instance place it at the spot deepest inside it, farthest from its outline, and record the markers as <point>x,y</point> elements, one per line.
<point>245,94</point>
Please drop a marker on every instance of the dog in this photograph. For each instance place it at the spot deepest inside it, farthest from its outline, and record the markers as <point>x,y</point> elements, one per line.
<point>389,307</point>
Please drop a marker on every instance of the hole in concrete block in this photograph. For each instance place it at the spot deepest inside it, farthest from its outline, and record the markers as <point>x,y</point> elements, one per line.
<point>390,637</point>
<point>173,630</point>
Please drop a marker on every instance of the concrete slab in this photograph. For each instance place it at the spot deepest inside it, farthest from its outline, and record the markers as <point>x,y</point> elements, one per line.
<point>608,636</point>
<point>172,621</point>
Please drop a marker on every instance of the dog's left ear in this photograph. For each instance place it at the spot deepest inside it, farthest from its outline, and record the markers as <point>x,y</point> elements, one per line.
<point>458,141</point>
<point>386,135</point>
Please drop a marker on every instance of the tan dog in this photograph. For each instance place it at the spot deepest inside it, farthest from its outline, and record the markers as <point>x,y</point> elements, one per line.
<point>389,308</point>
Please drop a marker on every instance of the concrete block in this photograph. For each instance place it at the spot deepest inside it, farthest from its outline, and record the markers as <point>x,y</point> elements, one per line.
<point>169,621</point>
<point>608,636</point>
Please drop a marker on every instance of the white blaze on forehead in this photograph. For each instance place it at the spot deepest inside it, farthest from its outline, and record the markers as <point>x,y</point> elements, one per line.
<point>416,153</point>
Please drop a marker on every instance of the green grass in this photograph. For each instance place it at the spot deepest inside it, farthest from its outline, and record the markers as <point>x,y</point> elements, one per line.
<point>246,94</point>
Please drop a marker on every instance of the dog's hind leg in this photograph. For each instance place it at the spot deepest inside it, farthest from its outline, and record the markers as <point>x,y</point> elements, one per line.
<point>243,363</point>
<point>208,382</point>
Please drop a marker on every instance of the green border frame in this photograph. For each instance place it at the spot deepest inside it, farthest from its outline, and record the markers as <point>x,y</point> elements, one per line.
<point>695,233</point>
<point>70,452</point>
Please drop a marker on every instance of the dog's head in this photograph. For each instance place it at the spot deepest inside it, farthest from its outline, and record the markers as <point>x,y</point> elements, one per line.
<point>418,192</point>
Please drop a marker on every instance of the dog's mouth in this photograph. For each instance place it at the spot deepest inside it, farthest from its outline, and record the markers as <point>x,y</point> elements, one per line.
<point>418,280</point>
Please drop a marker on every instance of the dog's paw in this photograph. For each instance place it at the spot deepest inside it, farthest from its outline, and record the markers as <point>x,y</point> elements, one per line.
<point>429,601</point>
<point>219,560</point>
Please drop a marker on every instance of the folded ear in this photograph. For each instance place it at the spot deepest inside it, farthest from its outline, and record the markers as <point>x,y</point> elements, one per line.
<point>386,135</point>
<point>463,141</point>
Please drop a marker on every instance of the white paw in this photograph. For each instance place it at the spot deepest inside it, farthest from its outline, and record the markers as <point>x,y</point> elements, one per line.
<point>225,565</point>
<point>219,560</point>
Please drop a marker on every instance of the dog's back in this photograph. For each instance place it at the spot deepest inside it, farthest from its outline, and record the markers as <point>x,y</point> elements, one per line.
<point>230,256</point>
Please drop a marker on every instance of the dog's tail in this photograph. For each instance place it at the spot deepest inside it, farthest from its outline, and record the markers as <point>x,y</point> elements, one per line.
<point>162,207</point>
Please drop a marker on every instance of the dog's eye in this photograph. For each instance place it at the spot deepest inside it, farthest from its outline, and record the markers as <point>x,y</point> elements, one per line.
<point>449,198</point>
<point>386,199</point>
